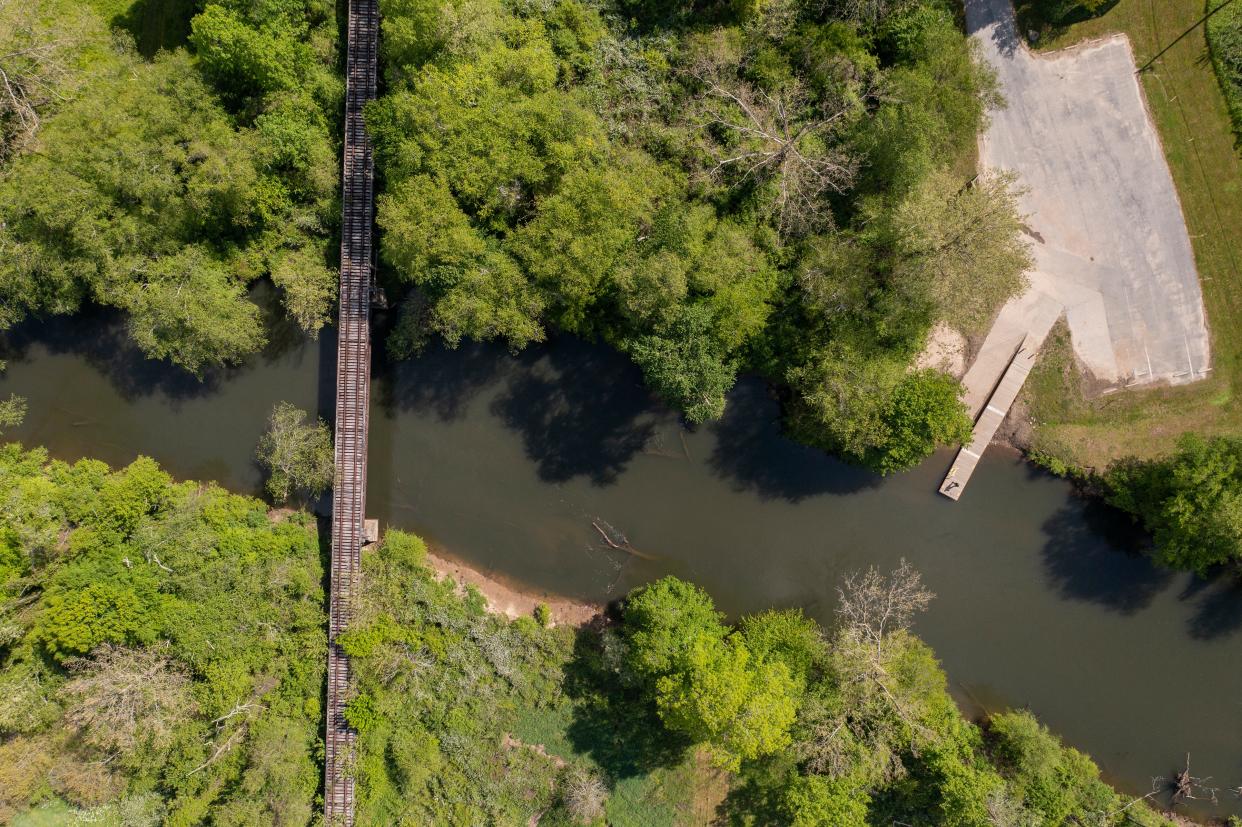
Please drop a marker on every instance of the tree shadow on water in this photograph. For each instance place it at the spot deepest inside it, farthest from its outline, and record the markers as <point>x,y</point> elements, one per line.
<point>1095,553</point>
<point>614,723</point>
<point>581,410</point>
<point>98,337</point>
<point>440,381</point>
<point>751,451</point>
<point>1218,605</point>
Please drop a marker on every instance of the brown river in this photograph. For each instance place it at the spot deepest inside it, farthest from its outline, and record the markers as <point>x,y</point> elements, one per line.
<point>509,463</point>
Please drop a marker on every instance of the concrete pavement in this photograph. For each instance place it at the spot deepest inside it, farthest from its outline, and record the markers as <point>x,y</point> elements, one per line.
<point>1105,225</point>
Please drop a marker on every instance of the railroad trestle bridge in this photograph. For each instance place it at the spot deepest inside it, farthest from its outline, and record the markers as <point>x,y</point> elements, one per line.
<point>353,383</point>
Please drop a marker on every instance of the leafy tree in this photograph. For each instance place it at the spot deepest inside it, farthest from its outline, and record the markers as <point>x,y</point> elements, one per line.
<point>240,59</point>
<point>925,411</point>
<point>758,191</point>
<point>960,247</point>
<point>309,285</point>
<point>221,714</point>
<point>1191,502</point>
<point>192,623</point>
<point>787,636</point>
<point>589,226</point>
<point>12,411</point>
<point>297,454</point>
<point>1057,782</point>
<point>190,311</point>
<point>719,694</point>
<point>132,174</point>
<point>74,623</point>
<point>816,801</point>
<point>146,194</point>
<point>686,366</point>
<point>1224,35</point>
<point>664,619</point>
<point>875,412</point>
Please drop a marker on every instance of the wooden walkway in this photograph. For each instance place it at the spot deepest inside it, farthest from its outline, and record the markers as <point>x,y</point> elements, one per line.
<point>990,418</point>
<point>353,383</point>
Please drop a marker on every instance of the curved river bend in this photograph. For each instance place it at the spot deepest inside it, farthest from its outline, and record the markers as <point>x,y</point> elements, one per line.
<point>506,462</point>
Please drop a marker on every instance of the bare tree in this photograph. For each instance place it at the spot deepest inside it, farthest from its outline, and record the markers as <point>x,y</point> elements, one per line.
<point>1005,810</point>
<point>786,138</point>
<point>873,606</point>
<point>1187,787</point>
<point>121,699</point>
<point>881,712</point>
<point>584,795</point>
<point>34,67</point>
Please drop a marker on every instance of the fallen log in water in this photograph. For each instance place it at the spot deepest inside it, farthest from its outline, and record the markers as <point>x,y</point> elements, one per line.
<point>624,545</point>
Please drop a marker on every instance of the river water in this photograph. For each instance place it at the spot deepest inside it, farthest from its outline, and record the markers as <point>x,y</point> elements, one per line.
<point>506,462</point>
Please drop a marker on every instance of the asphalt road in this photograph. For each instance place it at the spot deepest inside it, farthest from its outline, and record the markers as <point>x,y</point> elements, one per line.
<point>1105,225</point>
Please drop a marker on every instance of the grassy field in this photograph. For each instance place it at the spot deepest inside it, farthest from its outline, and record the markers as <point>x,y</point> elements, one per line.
<point>687,793</point>
<point>1190,114</point>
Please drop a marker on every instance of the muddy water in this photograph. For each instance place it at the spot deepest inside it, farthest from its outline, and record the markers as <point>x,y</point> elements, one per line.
<point>511,463</point>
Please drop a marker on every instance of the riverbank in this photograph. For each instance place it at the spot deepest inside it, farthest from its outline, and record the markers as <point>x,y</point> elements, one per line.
<point>512,600</point>
<point>508,599</point>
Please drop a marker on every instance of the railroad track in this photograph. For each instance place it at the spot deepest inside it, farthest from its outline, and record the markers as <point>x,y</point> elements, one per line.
<point>353,383</point>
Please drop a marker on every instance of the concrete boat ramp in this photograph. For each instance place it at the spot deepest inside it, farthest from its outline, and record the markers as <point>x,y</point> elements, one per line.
<point>991,417</point>
<point>1104,224</point>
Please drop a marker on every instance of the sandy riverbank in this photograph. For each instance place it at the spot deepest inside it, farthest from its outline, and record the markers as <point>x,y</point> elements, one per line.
<point>512,600</point>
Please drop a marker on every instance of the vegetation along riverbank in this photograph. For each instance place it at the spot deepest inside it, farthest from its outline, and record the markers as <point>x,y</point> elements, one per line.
<point>733,187</point>
<point>163,655</point>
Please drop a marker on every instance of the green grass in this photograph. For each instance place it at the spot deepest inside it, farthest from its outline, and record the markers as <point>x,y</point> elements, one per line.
<point>687,793</point>
<point>155,24</point>
<point>1192,119</point>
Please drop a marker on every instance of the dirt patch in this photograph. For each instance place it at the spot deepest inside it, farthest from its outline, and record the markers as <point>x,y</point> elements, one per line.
<point>511,600</point>
<point>1016,430</point>
<point>279,515</point>
<point>509,742</point>
<point>711,787</point>
<point>945,350</point>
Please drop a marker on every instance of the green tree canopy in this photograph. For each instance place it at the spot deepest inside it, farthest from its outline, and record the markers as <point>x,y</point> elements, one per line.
<point>1191,502</point>
<point>297,454</point>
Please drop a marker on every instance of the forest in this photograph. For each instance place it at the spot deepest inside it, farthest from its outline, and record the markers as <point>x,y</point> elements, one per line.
<point>784,188</point>
<point>162,649</point>
<point>781,187</point>
<point>164,182</point>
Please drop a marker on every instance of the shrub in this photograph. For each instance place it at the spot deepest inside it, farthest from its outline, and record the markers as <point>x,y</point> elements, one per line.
<point>1224,35</point>
<point>543,615</point>
<point>297,454</point>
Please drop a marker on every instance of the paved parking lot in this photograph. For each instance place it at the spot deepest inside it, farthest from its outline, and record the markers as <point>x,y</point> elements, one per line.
<point>1105,225</point>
